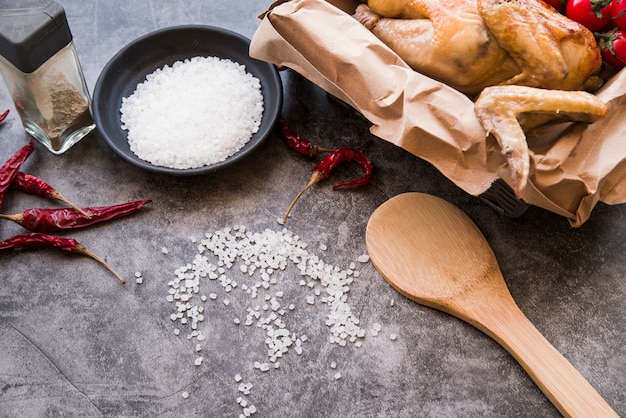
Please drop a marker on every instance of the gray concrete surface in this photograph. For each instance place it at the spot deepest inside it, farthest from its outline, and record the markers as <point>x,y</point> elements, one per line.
<point>74,342</point>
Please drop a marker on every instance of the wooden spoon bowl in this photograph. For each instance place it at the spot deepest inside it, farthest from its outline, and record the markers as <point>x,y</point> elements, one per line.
<point>431,252</point>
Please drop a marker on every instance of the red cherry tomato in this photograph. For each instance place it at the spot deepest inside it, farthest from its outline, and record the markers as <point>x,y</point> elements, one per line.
<point>613,47</point>
<point>559,5</point>
<point>618,13</point>
<point>594,14</point>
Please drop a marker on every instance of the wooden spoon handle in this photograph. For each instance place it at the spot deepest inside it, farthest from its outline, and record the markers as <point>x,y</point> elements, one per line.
<point>566,388</point>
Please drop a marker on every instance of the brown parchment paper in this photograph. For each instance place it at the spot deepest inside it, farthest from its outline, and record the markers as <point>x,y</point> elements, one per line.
<point>573,166</point>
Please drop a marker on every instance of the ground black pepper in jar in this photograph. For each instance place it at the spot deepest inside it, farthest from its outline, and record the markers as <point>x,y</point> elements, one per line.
<point>42,72</point>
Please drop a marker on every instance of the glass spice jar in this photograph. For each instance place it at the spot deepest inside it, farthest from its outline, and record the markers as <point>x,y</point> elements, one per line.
<point>41,69</point>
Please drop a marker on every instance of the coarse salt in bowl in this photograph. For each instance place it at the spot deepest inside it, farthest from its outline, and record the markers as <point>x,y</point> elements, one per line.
<point>166,102</point>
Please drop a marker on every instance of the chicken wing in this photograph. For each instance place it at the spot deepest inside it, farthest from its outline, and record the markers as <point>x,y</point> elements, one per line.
<point>498,109</point>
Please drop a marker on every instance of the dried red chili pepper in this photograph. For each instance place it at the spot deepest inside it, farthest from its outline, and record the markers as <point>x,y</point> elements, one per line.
<point>4,115</point>
<point>35,240</point>
<point>12,166</point>
<point>358,156</point>
<point>324,168</point>
<point>30,184</point>
<point>297,143</point>
<point>49,220</point>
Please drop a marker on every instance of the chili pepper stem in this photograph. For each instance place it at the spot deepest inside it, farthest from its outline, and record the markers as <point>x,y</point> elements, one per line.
<point>81,249</point>
<point>17,218</point>
<point>57,196</point>
<point>314,150</point>
<point>316,177</point>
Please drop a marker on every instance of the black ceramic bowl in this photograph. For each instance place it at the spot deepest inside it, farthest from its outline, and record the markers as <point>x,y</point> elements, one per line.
<point>129,67</point>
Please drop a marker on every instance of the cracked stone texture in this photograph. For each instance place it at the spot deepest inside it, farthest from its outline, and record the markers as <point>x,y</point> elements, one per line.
<point>74,342</point>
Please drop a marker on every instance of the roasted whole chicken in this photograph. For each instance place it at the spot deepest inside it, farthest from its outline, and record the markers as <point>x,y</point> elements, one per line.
<point>524,63</point>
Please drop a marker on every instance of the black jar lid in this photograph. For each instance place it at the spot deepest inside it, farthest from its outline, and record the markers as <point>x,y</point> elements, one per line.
<point>28,38</point>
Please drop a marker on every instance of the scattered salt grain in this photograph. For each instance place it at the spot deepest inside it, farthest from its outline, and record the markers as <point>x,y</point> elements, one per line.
<point>185,395</point>
<point>363,258</point>
<point>198,361</point>
<point>245,388</point>
<point>265,256</point>
<point>337,376</point>
<point>262,366</point>
<point>217,120</point>
<point>164,250</point>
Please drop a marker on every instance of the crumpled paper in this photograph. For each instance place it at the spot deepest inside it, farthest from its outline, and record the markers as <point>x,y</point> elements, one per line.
<point>573,165</point>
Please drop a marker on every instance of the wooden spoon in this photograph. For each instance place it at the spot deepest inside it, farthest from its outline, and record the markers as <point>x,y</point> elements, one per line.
<point>432,252</point>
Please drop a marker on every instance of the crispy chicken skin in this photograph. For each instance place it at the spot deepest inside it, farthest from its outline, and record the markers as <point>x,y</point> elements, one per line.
<point>474,44</point>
